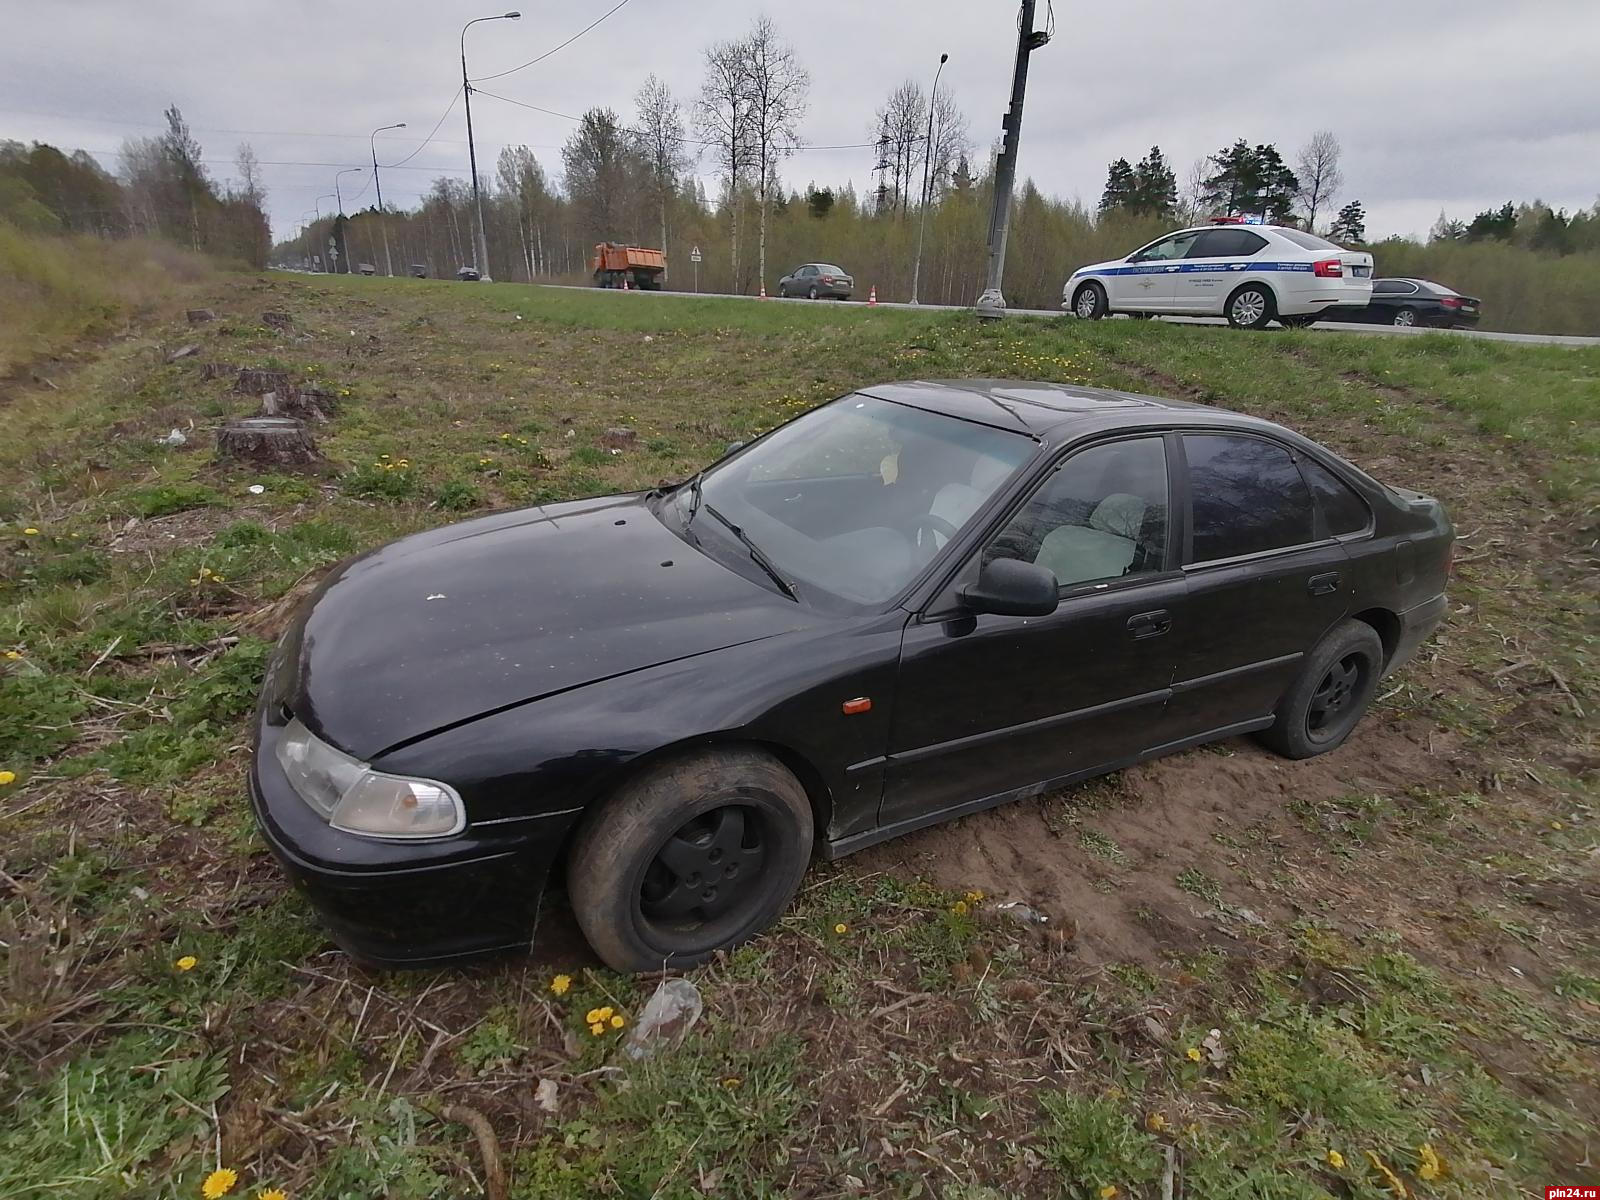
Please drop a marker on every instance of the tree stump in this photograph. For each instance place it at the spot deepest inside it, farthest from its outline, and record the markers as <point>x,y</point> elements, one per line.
<point>267,442</point>
<point>281,321</point>
<point>199,316</point>
<point>188,351</point>
<point>618,438</point>
<point>216,370</point>
<point>255,382</point>
<point>306,404</point>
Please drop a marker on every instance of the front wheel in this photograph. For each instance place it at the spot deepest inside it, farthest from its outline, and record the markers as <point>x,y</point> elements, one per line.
<point>812,294</point>
<point>1089,302</point>
<point>1405,317</point>
<point>694,856</point>
<point>1251,307</point>
<point>1332,692</point>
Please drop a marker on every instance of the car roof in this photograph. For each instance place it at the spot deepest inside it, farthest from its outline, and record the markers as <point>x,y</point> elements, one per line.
<point>1045,410</point>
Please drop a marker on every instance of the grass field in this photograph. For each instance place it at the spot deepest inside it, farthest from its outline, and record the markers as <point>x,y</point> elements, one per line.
<point>1375,974</point>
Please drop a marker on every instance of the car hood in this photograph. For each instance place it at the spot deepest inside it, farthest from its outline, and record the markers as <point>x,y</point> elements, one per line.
<point>438,628</point>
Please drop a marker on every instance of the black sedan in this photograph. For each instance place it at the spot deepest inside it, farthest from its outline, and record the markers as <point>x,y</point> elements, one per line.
<point>817,281</point>
<point>1408,302</point>
<point>912,603</point>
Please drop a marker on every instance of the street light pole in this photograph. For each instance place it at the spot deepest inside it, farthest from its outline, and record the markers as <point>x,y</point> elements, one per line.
<point>482,265</point>
<point>992,304</point>
<point>340,199</point>
<point>927,175</point>
<point>388,261</point>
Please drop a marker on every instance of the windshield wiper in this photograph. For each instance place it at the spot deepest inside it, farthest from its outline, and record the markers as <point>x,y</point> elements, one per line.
<point>761,560</point>
<point>694,499</point>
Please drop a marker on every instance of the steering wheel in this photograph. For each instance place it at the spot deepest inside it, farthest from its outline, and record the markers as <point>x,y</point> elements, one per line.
<point>933,524</point>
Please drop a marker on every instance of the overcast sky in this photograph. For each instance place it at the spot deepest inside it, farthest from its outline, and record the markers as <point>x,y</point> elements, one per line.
<point>1458,105</point>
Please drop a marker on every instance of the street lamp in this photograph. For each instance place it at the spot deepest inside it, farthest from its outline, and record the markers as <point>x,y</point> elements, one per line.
<point>927,174</point>
<point>388,262</point>
<point>340,199</point>
<point>482,265</point>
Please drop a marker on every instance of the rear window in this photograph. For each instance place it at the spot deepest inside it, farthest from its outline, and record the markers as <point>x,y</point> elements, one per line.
<point>830,269</point>
<point>1308,241</point>
<point>1342,510</point>
<point>1438,288</point>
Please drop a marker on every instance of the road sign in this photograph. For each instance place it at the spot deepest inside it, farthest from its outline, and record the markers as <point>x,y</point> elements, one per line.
<point>694,254</point>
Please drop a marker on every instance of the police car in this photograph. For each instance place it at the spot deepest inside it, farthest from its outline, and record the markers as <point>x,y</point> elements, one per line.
<point>1250,273</point>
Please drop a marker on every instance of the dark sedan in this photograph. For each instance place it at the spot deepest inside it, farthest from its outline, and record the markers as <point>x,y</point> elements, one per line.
<point>817,281</point>
<point>1408,302</point>
<point>912,603</point>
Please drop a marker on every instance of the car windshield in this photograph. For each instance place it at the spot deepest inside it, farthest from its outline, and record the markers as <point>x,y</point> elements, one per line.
<point>852,499</point>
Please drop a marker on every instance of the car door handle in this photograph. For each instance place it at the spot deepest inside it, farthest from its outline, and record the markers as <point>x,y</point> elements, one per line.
<point>1150,624</point>
<point>1323,585</point>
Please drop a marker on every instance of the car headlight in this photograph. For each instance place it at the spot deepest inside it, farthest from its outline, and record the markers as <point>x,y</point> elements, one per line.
<point>353,797</point>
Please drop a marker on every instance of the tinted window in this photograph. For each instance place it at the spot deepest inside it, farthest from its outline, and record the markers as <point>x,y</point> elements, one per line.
<point>1101,515</point>
<point>1247,496</point>
<point>1227,243</point>
<point>1438,288</point>
<point>1390,287</point>
<point>1168,248</point>
<point>1342,510</point>
<point>1308,241</point>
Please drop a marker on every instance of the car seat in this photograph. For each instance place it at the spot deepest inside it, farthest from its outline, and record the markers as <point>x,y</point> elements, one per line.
<point>1104,549</point>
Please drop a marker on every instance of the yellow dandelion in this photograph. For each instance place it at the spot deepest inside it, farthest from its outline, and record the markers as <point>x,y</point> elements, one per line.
<point>1155,1122</point>
<point>841,927</point>
<point>560,984</point>
<point>505,437</point>
<point>597,1028</point>
<point>7,778</point>
<point>13,655</point>
<point>1429,1165</point>
<point>1109,1192</point>
<point>273,1194</point>
<point>731,1081</point>
<point>959,907</point>
<point>1194,1054</point>
<point>382,457</point>
<point>618,1021</point>
<point>1395,1184</point>
<point>1336,1160</point>
<point>592,1016</point>
<point>975,896</point>
<point>218,579</point>
<point>484,462</point>
<point>219,1183</point>
<point>187,963</point>
<point>30,531</point>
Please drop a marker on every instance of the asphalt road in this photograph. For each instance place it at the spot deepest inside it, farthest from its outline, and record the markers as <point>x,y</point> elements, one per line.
<point>1540,339</point>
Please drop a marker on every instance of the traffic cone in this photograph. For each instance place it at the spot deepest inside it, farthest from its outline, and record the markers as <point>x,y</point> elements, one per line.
<point>872,297</point>
<point>763,295</point>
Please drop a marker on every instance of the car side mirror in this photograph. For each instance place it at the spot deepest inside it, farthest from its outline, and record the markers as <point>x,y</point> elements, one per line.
<point>1009,587</point>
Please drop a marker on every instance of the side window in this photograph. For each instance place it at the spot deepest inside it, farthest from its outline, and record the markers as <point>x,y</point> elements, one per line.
<point>1342,510</point>
<point>1168,249</point>
<point>1386,287</point>
<point>1101,515</point>
<point>1227,243</point>
<point>1247,496</point>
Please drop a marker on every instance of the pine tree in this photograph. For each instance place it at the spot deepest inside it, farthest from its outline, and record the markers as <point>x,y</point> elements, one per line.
<point>1119,186</point>
<point>1499,224</point>
<point>1350,225</point>
<point>1246,181</point>
<point>1155,187</point>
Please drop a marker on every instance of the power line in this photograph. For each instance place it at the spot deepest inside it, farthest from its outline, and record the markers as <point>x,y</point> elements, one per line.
<point>270,162</point>
<point>429,138</point>
<point>562,46</point>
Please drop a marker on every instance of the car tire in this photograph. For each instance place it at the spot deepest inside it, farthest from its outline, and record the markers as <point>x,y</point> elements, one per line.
<point>812,294</point>
<point>1406,318</point>
<point>1089,302</point>
<point>783,292</point>
<point>663,874</point>
<point>1332,691</point>
<point>1250,307</point>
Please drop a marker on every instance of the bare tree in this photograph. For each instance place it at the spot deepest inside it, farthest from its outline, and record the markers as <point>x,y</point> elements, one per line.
<point>522,181</point>
<point>951,141</point>
<point>902,121</point>
<point>1320,177</point>
<point>777,86</point>
<point>660,131</point>
<point>601,167</point>
<point>1191,200</point>
<point>722,115</point>
<point>251,189</point>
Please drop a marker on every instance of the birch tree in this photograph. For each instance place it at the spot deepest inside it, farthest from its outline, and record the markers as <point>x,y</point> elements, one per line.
<point>777,88</point>
<point>722,115</point>
<point>660,133</point>
<point>1320,176</point>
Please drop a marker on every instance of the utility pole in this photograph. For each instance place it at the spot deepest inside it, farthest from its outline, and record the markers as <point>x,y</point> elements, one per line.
<point>927,175</point>
<point>992,304</point>
<point>338,228</point>
<point>482,252</point>
<point>388,262</point>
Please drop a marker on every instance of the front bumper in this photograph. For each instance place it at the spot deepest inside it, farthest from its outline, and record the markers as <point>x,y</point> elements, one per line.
<point>405,904</point>
<point>1416,625</point>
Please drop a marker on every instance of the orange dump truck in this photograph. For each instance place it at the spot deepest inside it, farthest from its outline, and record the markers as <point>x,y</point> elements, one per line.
<point>638,266</point>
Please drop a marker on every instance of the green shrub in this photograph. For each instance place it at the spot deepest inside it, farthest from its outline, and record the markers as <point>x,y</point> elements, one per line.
<point>384,479</point>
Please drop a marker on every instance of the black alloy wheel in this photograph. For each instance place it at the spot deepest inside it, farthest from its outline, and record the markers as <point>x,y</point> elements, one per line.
<point>1330,696</point>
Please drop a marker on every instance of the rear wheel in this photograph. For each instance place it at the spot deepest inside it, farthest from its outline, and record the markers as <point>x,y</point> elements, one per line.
<point>1405,317</point>
<point>694,856</point>
<point>1251,307</point>
<point>1333,690</point>
<point>812,294</point>
<point>1089,302</point>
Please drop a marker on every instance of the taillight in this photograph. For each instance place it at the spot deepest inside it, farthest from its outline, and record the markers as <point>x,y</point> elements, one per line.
<point>1450,301</point>
<point>1328,268</point>
<point>827,279</point>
